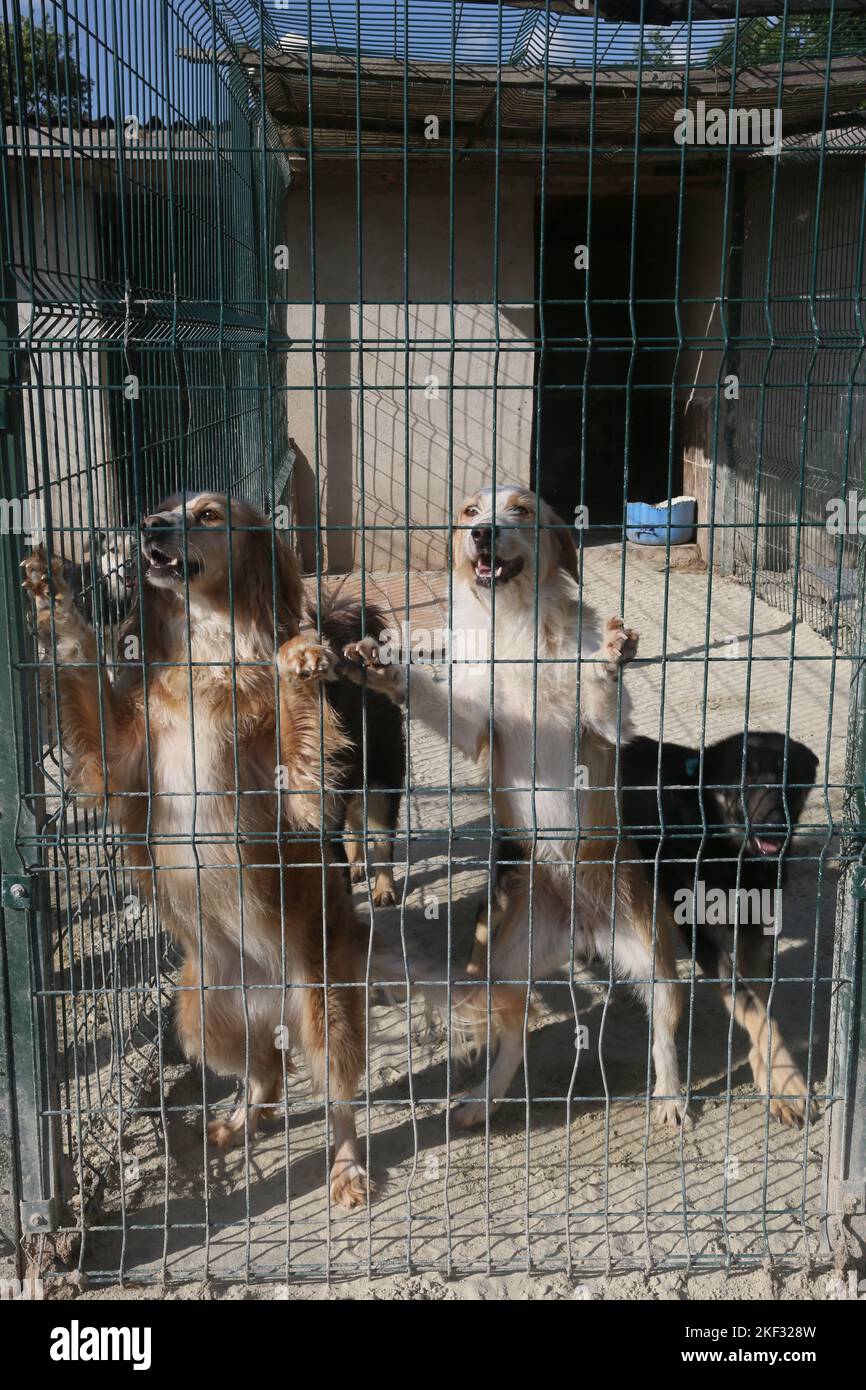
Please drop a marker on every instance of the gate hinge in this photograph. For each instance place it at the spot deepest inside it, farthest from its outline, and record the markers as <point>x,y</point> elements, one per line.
<point>16,890</point>
<point>39,1218</point>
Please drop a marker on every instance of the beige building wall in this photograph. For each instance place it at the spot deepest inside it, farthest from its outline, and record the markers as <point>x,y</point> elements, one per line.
<point>700,367</point>
<point>389,425</point>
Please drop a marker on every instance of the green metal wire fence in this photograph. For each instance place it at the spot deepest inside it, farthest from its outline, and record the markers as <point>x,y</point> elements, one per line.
<point>352,262</point>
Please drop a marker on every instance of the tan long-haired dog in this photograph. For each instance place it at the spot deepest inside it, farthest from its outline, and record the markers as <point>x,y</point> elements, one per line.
<point>553,755</point>
<point>209,749</point>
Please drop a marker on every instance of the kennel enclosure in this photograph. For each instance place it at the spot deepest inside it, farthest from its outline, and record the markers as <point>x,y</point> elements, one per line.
<point>352,261</point>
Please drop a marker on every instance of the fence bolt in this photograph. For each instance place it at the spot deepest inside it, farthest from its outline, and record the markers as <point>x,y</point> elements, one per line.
<point>15,891</point>
<point>40,1215</point>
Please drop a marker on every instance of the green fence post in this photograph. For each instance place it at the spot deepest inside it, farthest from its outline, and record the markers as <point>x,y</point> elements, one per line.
<point>29,1137</point>
<point>845,1183</point>
<point>10,1228</point>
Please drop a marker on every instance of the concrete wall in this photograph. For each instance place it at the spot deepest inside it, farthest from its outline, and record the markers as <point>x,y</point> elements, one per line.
<point>793,414</point>
<point>374,448</point>
<point>701,263</point>
<point>800,426</point>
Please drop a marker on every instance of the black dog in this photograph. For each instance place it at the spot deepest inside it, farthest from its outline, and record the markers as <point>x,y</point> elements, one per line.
<point>376,761</point>
<point>750,815</point>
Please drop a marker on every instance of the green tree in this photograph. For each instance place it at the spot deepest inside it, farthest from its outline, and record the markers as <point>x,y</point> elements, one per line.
<point>806,36</point>
<point>54,88</point>
<point>760,41</point>
<point>655,46</point>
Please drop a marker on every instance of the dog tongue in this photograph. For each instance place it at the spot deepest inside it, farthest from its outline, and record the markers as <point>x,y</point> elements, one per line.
<point>765,845</point>
<point>483,567</point>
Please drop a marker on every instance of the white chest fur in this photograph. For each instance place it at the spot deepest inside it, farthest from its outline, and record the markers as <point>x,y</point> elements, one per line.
<point>193,747</point>
<point>190,782</point>
<point>530,688</point>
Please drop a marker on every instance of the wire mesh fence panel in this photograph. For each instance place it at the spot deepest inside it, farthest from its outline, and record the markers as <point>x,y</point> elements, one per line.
<point>432,805</point>
<point>798,433</point>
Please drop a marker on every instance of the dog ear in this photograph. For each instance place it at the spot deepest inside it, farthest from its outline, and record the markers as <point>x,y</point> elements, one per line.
<point>564,547</point>
<point>290,590</point>
<point>802,763</point>
<point>145,623</point>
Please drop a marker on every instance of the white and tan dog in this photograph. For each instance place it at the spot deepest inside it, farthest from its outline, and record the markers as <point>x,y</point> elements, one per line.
<point>546,709</point>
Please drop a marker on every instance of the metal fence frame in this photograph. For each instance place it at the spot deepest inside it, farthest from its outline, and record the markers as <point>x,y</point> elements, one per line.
<point>183,319</point>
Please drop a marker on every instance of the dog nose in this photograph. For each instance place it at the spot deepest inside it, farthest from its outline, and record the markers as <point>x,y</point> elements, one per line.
<point>482,536</point>
<point>157,520</point>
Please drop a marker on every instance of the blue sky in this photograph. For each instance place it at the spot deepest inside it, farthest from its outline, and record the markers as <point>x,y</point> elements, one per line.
<point>151,79</point>
<point>435,27</point>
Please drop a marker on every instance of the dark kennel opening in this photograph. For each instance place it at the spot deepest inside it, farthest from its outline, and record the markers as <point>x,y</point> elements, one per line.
<point>605,416</point>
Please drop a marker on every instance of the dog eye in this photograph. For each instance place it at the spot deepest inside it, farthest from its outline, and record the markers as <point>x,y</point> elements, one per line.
<point>520,511</point>
<point>470,511</point>
<point>209,515</point>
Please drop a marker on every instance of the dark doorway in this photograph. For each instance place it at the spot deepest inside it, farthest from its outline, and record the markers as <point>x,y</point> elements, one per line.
<point>623,380</point>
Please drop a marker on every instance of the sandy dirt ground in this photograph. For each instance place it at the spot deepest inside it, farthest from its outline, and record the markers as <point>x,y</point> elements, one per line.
<point>575,1194</point>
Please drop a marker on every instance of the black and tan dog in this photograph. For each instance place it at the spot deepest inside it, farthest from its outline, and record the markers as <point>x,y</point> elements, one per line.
<point>370,774</point>
<point>750,816</point>
<point>726,827</point>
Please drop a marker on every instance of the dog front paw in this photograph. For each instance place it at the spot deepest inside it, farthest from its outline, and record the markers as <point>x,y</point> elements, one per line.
<point>384,893</point>
<point>472,1109</point>
<point>225,1135</point>
<point>306,660</point>
<point>792,1113</point>
<point>364,662</point>
<point>791,1102</point>
<point>51,595</point>
<point>365,655</point>
<point>43,579</point>
<point>669,1113</point>
<point>350,1186</point>
<point>619,645</point>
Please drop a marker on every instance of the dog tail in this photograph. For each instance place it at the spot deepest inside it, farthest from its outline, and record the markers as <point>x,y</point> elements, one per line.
<point>344,620</point>
<point>466,1010</point>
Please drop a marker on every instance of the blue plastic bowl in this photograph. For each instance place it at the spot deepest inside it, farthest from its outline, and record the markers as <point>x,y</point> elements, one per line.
<point>647,524</point>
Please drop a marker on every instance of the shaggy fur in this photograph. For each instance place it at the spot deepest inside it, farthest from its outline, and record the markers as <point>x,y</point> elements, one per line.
<point>212,744</point>
<point>375,755</point>
<point>516,554</point>
<point>750,806</point>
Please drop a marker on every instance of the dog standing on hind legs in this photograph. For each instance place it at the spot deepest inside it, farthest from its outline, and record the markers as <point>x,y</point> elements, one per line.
<point>508,543</point>
<point>181,750</point>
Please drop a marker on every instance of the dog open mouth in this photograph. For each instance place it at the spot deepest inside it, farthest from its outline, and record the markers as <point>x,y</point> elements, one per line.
<point>768,833</point>
<point>161,564</point>
<point>486,575</point>
<point>768,846</point>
